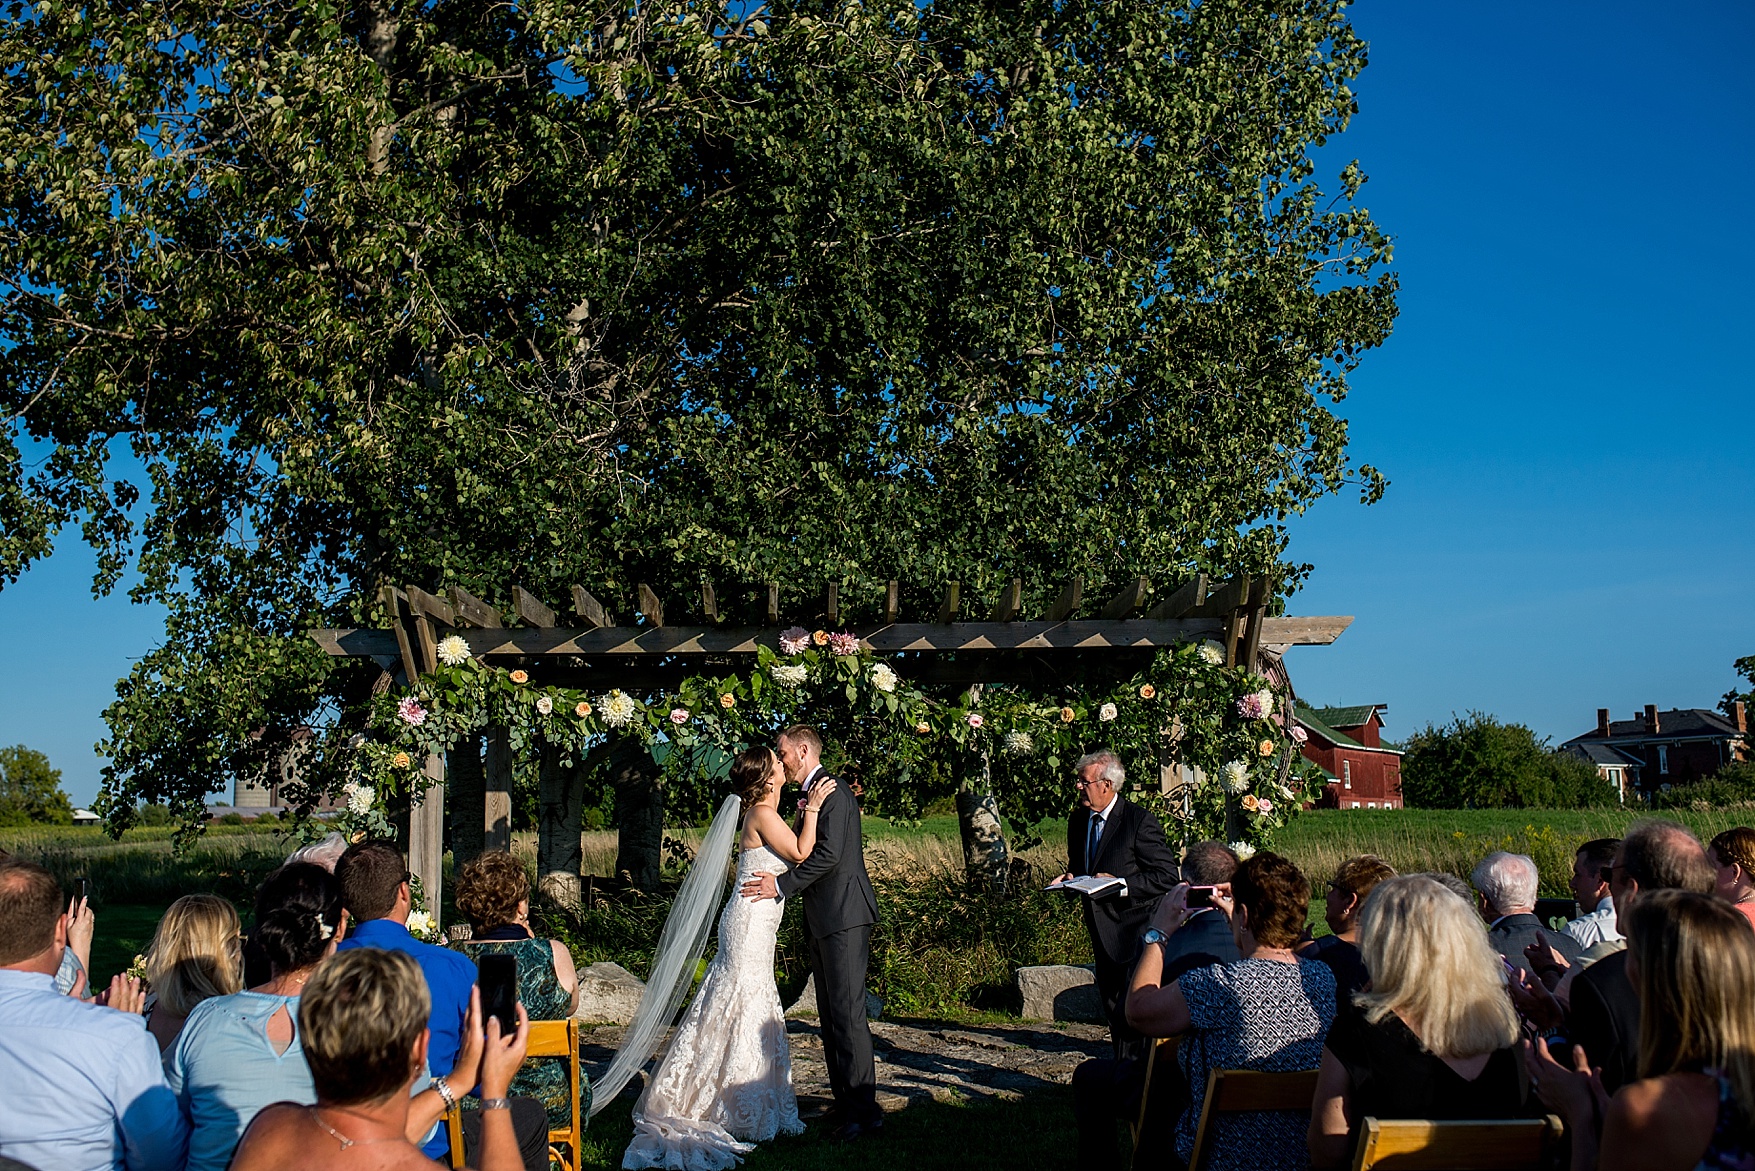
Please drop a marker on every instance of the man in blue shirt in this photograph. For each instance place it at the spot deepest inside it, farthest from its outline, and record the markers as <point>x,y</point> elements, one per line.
<point>375,891</point>
<point>84,1087</point>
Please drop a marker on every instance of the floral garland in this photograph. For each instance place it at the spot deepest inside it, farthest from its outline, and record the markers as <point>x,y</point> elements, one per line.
<point>1229,729</point>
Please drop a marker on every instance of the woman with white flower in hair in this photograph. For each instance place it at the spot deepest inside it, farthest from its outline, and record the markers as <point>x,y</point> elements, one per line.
<point>239,1053</point>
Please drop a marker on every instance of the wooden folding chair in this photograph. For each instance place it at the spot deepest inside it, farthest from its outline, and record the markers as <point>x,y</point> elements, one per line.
<point>1244,1091</point>
<point>1416,1144</point>
<point>1163,1049</point>
<point>547,1039</point>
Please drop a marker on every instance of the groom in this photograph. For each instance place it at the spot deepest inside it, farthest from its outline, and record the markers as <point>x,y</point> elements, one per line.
<point>839,909</point>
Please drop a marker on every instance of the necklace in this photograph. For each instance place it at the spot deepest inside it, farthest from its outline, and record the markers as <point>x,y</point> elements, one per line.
<point>350,1142</point>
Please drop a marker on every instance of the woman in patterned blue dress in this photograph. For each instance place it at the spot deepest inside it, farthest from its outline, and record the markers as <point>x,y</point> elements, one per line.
<point>1268,1011</point>
<point>493,893</point>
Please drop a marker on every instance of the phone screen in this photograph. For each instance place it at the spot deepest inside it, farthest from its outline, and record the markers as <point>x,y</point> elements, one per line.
<point>79,888</point>
<point>1201,896</point>
<point>498,977</point>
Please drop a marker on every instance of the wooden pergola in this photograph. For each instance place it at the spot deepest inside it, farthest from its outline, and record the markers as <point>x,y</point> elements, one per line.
<point>589,649</point>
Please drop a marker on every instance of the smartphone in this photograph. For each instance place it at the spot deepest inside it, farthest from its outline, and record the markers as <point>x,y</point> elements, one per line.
<point>497,976</point>
<point>1201,896</point>
<point>79,889</point>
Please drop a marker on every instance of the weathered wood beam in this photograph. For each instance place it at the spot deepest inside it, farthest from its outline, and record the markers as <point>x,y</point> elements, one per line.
<point>1257,615</point>
<point>892,602</point>
<point>1067,604</point>
<point>422,603</point>
<point>1234,621</point>
<point>1183,600</point>
<point>914,636</point>
<point>1131,598</point>
<point>1011,600</point>
<point>650,607</point>
<point>833,609</point>
<point>497,779</point>
<point>426,834</point>
<point>772,609</point>
<point>530,608</point>
<point>947,611</point>
<point>472,611</point>
<point>1224,598</point>
<point>589,608</point>
<point>402,647</point>
<point>709,603</point>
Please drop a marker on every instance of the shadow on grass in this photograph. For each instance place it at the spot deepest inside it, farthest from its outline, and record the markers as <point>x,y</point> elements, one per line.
<point>1035,1132</point>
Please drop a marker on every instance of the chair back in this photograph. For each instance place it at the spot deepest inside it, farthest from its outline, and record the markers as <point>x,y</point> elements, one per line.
<point>1414,1144</point>
<point>1245,1091</point>
<point>546,1039</point>
<point>1163,1049</point>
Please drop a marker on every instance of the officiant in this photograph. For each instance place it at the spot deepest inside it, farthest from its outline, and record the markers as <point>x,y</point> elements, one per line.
<point>1110,837</point>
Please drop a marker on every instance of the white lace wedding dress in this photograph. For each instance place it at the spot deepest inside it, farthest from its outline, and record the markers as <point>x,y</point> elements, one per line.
<point>725,1083</point>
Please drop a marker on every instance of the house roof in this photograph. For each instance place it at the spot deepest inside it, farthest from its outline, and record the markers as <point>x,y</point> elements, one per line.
<point>1599,752</point>
<point>1312,719</point>
<point>1348,717</point>
<point>1673,724</point>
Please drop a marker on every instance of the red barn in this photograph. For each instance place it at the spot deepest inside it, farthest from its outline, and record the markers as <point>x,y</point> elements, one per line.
<point>1347,744</point>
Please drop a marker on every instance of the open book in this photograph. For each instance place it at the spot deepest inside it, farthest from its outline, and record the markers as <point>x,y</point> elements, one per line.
<point>1086,884</point>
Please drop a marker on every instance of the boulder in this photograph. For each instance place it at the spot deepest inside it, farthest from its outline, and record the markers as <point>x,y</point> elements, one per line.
<point>1060,992</point>
<point>608,994</point>
<point>806,1004</point>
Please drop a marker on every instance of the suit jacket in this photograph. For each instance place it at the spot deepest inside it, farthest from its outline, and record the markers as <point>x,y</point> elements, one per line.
<point>1132,848</point>
<point>1605,1019</point>
<point>1203,939</point>
<point>1513,933</point>
<point>837,891</point>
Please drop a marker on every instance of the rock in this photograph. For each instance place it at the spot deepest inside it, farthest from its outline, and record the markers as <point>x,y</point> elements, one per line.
<point>806,1004</point>
<point>608,992</point>
<point>1060,992</point>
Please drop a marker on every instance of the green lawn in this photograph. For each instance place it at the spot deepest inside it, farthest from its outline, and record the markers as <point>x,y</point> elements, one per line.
<point>122,933</point>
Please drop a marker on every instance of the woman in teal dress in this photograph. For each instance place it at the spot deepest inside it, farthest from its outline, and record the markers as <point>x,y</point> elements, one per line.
<point>493,893</point>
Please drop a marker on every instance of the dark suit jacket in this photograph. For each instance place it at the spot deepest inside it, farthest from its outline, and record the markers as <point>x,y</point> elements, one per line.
<point>1515,932</point>
<point>837,891</point>
<point>1605,1019</point>
<point>1133,848</point>
<point>1202,940</point>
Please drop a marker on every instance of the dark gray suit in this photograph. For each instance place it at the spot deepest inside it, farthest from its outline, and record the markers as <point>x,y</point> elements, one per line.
<point>1513,933</point>
<point>839,910</point>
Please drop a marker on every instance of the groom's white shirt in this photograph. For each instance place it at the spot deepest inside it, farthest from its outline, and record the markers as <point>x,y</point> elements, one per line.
<point>816,772</point>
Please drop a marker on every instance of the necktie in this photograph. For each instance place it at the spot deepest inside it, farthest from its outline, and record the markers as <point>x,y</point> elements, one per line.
<point>1096,836</point>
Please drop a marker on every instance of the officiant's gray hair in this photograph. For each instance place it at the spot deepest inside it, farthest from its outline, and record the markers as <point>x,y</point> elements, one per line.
<point>1112,770</point>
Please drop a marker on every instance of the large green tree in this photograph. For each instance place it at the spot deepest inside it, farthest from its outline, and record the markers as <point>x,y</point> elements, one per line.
<point>554,293</point>
<point>30,789</point>
<point>1476,762</point>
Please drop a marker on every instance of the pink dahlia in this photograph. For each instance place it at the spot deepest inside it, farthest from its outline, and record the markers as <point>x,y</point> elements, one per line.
<point>844,643</point>
<point>794,640</point>
<point>412,712</point>
<point>975,720</point>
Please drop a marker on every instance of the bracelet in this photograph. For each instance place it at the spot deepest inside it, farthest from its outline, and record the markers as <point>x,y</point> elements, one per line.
<point>443,1089</point>
<point>496,1103</point>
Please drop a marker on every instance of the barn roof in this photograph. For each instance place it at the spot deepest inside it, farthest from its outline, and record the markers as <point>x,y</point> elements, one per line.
<point>1349,717</point>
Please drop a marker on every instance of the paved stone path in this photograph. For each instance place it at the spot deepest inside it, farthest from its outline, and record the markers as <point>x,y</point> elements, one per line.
<point>921,1060</point>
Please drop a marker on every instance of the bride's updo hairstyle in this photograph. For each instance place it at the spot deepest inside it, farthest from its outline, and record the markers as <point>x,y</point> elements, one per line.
<point>749,774</point>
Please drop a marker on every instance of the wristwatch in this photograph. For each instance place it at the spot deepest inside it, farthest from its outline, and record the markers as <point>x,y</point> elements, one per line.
<point>1153,935</point>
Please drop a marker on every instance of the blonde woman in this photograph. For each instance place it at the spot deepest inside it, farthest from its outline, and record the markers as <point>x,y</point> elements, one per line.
<point>196,953</point>
<point>1691,958</point>
<point>1436,1035</point>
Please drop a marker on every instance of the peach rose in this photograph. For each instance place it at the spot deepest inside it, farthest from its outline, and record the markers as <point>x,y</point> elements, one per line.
<point>521,677</point>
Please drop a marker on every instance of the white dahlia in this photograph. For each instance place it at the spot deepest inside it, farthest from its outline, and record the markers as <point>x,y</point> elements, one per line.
<point>790,674</point>
<point>618,708</point>
<point>1019,743</point>
<point>1235,777</point>
<point>453,651</point>
<point>883,677</point>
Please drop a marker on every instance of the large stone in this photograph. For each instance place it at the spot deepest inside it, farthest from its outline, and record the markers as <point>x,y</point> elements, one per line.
<point>608,993</point>
<point>1060,992</point>
<point>806,1004</point>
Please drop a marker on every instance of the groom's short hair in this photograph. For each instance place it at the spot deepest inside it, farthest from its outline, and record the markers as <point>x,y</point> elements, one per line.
<point>805,734</point>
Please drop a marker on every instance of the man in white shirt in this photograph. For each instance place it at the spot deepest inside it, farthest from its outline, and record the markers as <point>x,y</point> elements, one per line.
<point>84,1087</point>
<point>1590,886</point>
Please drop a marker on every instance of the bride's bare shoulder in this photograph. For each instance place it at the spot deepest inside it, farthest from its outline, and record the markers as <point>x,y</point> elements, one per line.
<point>759,822</point>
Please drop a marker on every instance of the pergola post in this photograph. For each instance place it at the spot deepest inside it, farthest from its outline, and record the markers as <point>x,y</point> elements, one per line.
<point>558,852</point>
<point>497,831</point>
<point>426,835</point>
<point>463,769</point>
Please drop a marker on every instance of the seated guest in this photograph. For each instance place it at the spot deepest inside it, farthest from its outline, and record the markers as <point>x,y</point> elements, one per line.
<point>1603,1015</point>
<point>1436,1035</point>
<point>1692,962</point>
<point>1590,887</point>
<point>1106,1089</point>
<point>195,953</point>
<point>1352,884</point>
<point>375,891</point>
<point>363,1026</point>
<point>1450,882</point>
<point>1732,854</point>
<point>1506,886</point>
<point>241,1052</point>
<point>325,853</point>
<point>493,892</point>
<point>84,1090</point>
<point>1268,1011</point>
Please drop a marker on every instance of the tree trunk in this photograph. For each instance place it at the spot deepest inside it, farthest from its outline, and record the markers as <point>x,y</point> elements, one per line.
<point>639,818</point>
<point>468,799</point>
<point>558,854</point>
<point>986,859</point>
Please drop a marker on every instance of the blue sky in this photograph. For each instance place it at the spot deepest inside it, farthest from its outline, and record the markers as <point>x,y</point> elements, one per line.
<point>1564,410</point>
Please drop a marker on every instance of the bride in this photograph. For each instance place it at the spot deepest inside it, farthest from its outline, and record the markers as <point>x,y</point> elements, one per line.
<point>726,1081</point>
